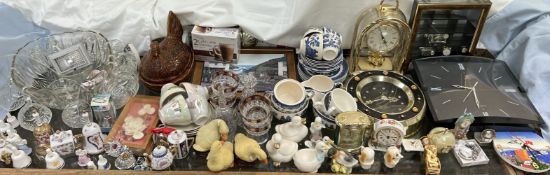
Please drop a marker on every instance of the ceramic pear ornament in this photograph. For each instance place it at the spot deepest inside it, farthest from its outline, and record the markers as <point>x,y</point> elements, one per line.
<point>294,130</point>
<point>280,150</point>
<point>392,156</point>
<point>53,160</point>
<point>315,129</point>
<point>92,133</point>
<point>442,138</point>
<point>102,163</point>
<point>212,131</point>
<point>366,157</point>
<point>161,158</point>
<point>220,156</point>
<point>20,159</point>
<point>248,149</point>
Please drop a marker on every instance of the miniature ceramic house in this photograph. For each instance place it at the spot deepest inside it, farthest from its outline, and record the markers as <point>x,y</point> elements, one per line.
<point>62,142</point>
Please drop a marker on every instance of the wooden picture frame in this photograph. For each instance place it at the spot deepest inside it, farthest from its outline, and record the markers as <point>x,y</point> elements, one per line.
<point>289,53</point>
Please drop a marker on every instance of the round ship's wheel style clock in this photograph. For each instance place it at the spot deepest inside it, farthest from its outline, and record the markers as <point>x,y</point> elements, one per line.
<point>484,87</point>
<point>388,95</point>
<point>386,133</point>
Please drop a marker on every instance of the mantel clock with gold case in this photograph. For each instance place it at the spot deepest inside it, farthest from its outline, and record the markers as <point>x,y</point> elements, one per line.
<point>446,27</point>
<point>381,37</point>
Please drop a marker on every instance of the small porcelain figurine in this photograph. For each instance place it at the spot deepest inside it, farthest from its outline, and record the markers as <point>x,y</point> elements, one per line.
<point>294,130</point>
<point>315,130</point>
<point>142,163</point>
<point>462,125</point>
<point>342,161</point>
<point>432,163</point>
<point>209,133</point>
<point>102,163</point>
<point>248,149</point>
<point>42,135</point>
<point>20,159</point>
<point>280,150</point>
<point>366,158</point>
<point>220,156</point>
<point>392,156</point>
<point>91,165</point>
<point>12,120</point>
<point>53,160</point>
<point>161,158</point>
<point>310,159</point>
<point>4,127</point>
<point>18,142</point>
<point>92,134</point>
<point>83,157</point>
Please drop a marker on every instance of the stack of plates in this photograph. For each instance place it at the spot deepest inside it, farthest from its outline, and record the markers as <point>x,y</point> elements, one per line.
<point>336,69</point>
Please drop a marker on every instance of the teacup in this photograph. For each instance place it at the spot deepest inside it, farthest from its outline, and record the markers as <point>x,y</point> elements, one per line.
<point>174,109</point>
<point>319,83</point>
<point>331,44</point>
<point>197,102</point>
<point>338,101</point>
<point>289,93</point>
<point>312,46</point>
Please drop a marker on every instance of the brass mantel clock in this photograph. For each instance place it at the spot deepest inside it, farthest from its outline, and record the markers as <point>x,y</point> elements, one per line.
<point>381,37</point>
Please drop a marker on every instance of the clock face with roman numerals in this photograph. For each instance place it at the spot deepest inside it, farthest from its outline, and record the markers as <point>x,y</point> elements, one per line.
<point>484,87</point>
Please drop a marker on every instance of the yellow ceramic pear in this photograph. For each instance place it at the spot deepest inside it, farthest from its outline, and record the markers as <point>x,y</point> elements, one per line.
<point>248,149</point>
<point>220,156</point>
<point>214,130</point>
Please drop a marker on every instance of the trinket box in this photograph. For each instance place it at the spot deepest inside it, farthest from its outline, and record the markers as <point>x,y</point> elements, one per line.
<point>469,153</point>
<point>62,142</point>
<point>135,122</point>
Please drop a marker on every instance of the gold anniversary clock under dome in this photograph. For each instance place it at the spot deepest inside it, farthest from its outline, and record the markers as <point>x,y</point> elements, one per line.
<point>381,37</point>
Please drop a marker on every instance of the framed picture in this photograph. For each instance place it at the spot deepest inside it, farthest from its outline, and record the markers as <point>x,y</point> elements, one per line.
<point>269,65</point>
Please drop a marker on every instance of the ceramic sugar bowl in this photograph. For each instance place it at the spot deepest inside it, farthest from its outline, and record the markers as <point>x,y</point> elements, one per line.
<point>92,133</point>
<point>161,158</point>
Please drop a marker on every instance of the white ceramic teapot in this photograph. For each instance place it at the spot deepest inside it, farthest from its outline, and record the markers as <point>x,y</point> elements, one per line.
<point>92,134</point>
<point>53,160</point>
<point>161,158</point>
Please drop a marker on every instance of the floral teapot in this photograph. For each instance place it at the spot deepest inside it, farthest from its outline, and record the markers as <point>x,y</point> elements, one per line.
<point>161,158</point>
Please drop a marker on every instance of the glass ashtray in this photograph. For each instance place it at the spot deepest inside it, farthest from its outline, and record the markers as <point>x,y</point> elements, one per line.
<point>33,114</point>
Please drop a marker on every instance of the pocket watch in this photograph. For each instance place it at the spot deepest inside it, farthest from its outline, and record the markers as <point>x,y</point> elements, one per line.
<point>388,95</point>
<point>386,133</point>
<point>381,37</point>
<point>484,87</point>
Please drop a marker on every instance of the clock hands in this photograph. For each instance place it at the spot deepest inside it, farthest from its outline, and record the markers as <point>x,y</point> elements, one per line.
<point>382,98</point>
<point>383,38</point>
<point>472,89</point>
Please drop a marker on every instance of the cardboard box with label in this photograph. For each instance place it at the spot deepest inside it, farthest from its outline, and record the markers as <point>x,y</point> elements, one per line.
<point>216,44</point>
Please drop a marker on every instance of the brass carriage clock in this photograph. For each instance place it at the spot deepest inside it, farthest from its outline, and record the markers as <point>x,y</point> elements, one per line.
<point>381,37</point>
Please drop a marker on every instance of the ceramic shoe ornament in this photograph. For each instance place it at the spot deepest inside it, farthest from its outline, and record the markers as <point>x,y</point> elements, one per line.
<point>53,160</point>
<point>315,129</point>
<point>161,158</point>
<point>20,159</point>
<point>92,133</point>
<point>102,163</point>
<point>366,157</point>
<point>294,130</point>
<point>173,106</point>
<point>16,140</point>
<point>209,133</point>
<point>280,150</point>
<point>442,138</point>
<point>248,149</point>
<point>220,156</point>
<point>342,161</point>
<point>392,156</point>
<point>83,157</point>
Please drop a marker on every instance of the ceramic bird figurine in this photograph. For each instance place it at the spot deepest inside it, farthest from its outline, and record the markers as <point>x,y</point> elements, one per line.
<point>280,150</point>
<point>315,129</point>
<point>366,158</point>
<point>248,149</point>
<point>392,156</point>
<point>220,156</point>
<point>169,61</point>
<point>294,130</point>
<point>209,133</point>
